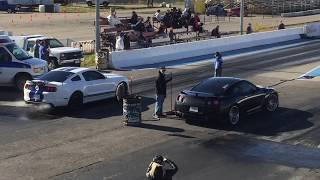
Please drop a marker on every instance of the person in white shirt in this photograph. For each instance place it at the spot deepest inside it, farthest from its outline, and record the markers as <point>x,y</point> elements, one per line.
<point>114,21</point>
<point>158,16</point>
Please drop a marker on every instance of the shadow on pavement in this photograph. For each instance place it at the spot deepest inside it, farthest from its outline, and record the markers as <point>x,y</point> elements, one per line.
<point>267,124</point>
<point>100,109</point>
<point>10,94</point>
<point>161,128</point>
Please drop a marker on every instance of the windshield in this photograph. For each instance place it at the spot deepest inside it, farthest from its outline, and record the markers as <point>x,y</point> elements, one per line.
<point>56,76</point>
<point>54,43</point>
<point>18,53</point>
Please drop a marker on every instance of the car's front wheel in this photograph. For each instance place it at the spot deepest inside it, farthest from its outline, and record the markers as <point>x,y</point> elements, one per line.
<point>272,103</point>
<point>53,64</point>
<point>234,115</point>
<point>75,101</point>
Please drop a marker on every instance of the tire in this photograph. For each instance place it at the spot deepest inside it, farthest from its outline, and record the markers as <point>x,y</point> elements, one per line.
<point>121,91</point>
<point>20,80</point>
<point>9,11</point>
<point>272,103</point>
<point>52,64</point>
<point>234,115</point>
<point>105,4</point>
<point>90,4</point>
<point>75,101</point>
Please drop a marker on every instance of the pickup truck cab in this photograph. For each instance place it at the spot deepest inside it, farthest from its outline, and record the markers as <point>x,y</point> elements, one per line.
<point>16,65</point>
<point>105,3</point>
<point>59,54</point>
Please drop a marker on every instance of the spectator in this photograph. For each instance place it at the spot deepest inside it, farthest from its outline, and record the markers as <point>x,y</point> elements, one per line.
<point>114,21</point>
<point>36,49</point>
<point>161,92</point>
<point>139,26</point>
<point>148,25</point>
<point>41,47</point>
<point>216,32</point>
<point>249,29</point>
<point>218,65</point>
<point>197,25</point>
<point>172,36</point>
<point>162,29</point>
<point>134,18</point>
<point>186,13</point>
<point>281,26</point>
<point>157,171</point>
<point>158,16</point>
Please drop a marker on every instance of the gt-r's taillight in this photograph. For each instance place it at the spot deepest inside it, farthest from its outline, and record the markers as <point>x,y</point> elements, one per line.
<point>50,89</point>
<point>214,103</point>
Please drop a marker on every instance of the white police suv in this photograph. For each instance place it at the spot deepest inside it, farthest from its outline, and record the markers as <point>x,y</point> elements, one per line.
<point>74,86</point>
<point>16,65</point>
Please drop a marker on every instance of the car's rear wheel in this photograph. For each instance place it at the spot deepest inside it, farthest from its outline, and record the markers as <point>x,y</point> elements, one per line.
<point>121,91</point>
<point>90,3</point>
<point>20,81</point>
<point>272,103</point>
<point>105,4</point>
<point>234,115</point>
<point>76,101</point>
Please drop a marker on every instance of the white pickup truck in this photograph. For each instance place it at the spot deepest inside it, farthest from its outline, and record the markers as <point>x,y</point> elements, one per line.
<point>59,54</point>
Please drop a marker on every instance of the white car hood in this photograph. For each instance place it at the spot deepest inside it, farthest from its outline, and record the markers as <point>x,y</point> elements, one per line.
<point>35,62</point>
<point>64,50</point>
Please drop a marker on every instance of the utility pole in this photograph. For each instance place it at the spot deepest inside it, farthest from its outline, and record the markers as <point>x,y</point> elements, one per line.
<point>97,49</point>
<point>241,16</point>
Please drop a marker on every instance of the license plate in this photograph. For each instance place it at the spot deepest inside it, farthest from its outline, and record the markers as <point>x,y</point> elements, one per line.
<point>77,61</point>
<point>194,109</point>
<point>36,97</point>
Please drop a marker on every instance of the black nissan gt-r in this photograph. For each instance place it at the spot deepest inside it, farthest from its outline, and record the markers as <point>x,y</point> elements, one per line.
<point>225,98</point>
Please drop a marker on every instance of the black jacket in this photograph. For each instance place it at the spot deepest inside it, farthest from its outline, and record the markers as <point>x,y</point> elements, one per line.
<point>161,84</point>
<point>169,173</point>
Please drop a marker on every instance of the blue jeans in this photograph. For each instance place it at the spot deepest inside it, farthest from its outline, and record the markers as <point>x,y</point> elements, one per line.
<point>159,104</point>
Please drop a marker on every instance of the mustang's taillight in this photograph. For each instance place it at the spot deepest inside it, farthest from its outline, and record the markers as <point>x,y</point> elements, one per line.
<point>50,89</point>
<point>28,86</point>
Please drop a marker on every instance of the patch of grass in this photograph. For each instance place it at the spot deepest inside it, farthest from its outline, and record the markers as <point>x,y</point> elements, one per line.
<point>89,61</point>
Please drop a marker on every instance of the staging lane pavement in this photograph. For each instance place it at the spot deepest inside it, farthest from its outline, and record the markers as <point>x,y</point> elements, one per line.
<point>295,122</point>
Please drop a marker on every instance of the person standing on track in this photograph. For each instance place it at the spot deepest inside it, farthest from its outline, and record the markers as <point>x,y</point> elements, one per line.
<point>218,65</point>
<point>161,92</point>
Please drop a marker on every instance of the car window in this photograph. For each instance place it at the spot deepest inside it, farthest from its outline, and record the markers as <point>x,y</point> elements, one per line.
<point>19,53</point>
<point>54,43</point>
<point>92,75</point>
<point>247,88</point>
<point>4,55</point>
<point>76,78</point>
<point>30,45</point>
<point>56,76</point>
<point>243,88</point>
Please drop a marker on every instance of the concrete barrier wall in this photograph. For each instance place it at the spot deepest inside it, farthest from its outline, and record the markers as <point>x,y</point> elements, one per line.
<point>312,30</point>
<point>130,58</point>
<point>301,13</point>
